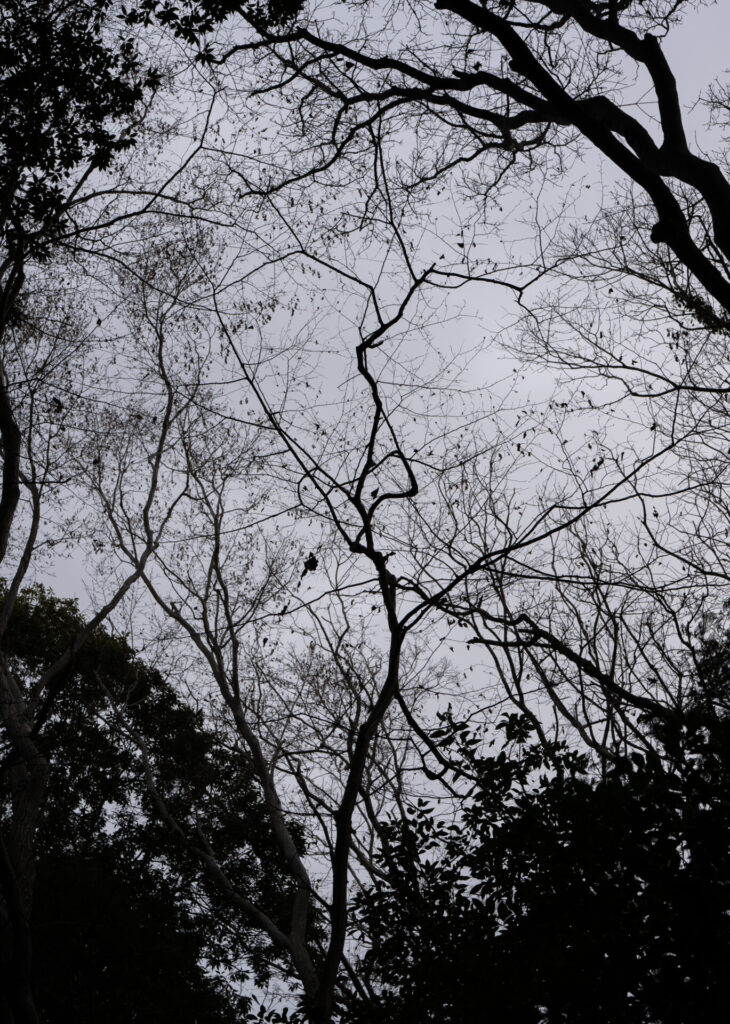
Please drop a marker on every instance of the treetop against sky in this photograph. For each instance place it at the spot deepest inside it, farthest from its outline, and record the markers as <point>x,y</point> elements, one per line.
<point>368,363</point>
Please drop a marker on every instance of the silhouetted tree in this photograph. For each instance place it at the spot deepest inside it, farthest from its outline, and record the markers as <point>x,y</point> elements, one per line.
<point>70,91</point>
<point>123,925</point>
<point>510,91</point>
<point>70,85</point>
<point>563,893</point>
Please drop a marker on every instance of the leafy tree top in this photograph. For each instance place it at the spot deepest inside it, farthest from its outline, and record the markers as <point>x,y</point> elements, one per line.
<point>70,84</point>
<point>564,891</point>
<point>126,924</point>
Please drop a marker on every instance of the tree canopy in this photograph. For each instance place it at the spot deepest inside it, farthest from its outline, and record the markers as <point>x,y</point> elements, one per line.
<point>123,923</point>
<point>562,891</point>
<point>70,93</point>
<point>367,366</point>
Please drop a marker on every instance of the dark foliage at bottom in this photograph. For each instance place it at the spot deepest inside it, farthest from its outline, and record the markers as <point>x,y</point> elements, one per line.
<point>565,892</point>
<point>127,928</point>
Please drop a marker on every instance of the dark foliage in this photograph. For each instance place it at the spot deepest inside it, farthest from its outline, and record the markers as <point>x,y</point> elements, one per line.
<point>114,943</point>
<point>563,894</point>
<point>123,921</point>
<point>192,19</point>
<point>69,87</point>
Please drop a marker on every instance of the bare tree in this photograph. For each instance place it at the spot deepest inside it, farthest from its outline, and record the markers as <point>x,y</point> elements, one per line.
<point>81,157</point>
<point>499,101</point>
<point>333,734</point>
<point>428,513</point>
<point>45,414</point>
<point>584,590</point>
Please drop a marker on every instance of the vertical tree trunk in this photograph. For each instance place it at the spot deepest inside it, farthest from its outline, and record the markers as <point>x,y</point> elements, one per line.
<point>27,781</point>
<point>17,1005</point>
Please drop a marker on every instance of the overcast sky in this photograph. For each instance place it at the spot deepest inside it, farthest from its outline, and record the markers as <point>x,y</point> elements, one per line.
<point>698,52</point>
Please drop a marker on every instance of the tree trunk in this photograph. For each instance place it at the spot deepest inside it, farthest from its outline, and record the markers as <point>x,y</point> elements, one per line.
<point>27,781</point>
<point>17,1005</point>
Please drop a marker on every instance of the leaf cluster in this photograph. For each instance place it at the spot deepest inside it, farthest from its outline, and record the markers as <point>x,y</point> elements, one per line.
<point>126,927</point>
<point>191,20</point>
<point>564,892</point>
<point>67,82</point>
